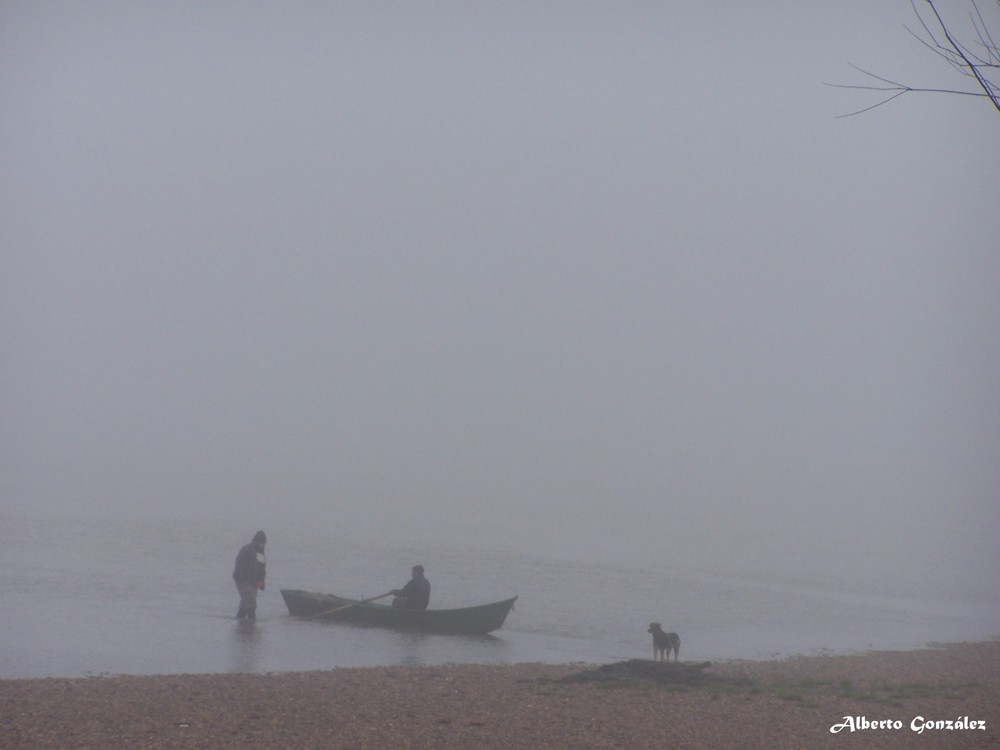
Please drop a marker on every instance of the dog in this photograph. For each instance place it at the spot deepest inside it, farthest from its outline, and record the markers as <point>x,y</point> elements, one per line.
<point>664,643</point>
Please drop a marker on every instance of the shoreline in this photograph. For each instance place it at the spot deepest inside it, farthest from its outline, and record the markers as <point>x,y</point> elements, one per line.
<point>792,702</point>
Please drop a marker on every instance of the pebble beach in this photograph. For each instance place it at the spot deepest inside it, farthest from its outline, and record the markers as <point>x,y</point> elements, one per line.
<point>884,699</point>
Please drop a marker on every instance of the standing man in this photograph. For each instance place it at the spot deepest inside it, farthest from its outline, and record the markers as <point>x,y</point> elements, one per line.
<point>416,593</point>
<point>249,575</point>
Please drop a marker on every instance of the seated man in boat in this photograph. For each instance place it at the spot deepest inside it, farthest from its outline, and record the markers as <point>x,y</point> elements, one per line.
<point>416,593</point>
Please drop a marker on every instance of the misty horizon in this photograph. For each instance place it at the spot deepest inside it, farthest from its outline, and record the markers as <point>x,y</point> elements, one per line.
<point>613,281</point>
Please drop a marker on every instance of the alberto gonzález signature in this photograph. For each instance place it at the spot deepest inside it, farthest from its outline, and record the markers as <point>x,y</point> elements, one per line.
<point>918,725</point>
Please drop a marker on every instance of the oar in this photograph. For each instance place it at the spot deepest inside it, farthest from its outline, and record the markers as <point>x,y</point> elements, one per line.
<point>352,604</point>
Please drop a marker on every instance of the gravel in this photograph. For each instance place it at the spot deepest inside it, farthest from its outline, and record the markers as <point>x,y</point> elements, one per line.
<point>791,703</point>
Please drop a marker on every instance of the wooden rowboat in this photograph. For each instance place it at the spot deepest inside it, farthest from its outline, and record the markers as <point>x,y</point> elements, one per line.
<point>468,620</point>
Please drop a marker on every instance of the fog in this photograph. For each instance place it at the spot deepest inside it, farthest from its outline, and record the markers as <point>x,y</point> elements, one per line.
<point>603,281</point>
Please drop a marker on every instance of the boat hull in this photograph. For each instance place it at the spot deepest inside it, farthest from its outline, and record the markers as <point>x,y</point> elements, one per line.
<point>468,620</point>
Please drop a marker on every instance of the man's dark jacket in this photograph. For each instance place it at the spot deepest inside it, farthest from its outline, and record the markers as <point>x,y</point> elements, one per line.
<point>417,593</point>
<point>248,568</point>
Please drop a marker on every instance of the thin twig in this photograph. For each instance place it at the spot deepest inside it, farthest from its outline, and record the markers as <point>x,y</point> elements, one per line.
<point>985,84</point>
<point>962,58</point>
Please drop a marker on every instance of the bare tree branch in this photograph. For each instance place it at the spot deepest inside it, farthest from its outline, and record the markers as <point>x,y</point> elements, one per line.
<point>982,64</point>
<point>976,70</point>
<point>986,39</point>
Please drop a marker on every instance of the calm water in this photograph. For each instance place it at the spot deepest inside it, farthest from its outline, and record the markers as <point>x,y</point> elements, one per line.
<point>88,597</point>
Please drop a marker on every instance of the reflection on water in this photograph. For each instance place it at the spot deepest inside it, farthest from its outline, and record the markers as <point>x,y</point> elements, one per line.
<point>417,649</point>
<point>245,646</point>
<point>411,649</point>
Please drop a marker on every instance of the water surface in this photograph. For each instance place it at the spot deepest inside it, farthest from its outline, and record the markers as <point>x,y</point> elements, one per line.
<point>124,596</point>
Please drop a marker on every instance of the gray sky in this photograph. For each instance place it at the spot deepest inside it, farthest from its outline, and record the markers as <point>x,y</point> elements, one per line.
<point>590,276</point>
